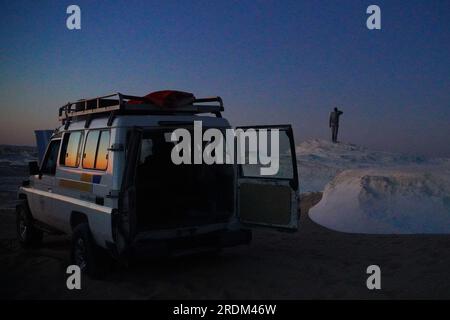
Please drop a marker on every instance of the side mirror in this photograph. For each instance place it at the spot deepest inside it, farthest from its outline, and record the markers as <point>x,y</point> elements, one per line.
<point>33,168</point>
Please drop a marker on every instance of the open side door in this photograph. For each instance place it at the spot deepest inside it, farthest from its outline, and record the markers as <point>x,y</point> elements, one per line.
<point>269,200</point>
<point>127,199</point>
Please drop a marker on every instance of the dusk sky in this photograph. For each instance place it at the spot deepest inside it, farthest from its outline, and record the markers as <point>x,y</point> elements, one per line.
<point>273,62</point>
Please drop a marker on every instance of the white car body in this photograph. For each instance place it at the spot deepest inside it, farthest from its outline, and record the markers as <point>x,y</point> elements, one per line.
<point>58,201</point>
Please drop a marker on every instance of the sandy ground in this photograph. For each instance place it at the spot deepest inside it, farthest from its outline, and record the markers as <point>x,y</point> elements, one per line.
<point>312,263</point>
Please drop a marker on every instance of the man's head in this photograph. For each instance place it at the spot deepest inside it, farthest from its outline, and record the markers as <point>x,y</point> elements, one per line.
<point>336,109</point>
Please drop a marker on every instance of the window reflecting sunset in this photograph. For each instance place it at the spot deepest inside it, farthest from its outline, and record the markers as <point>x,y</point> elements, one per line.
<point>90,149</point>
<point>96,150</point>
<point>70,153</point>
<point>102,152</point>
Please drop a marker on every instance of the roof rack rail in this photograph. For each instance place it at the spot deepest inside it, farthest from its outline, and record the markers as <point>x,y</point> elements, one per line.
<point>118,103</point>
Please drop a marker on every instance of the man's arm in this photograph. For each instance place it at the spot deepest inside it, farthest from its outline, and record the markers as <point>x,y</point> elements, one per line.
<point>330,121</point>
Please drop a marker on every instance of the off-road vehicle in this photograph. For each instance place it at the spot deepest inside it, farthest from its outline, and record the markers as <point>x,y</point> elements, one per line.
<point>107,179</point>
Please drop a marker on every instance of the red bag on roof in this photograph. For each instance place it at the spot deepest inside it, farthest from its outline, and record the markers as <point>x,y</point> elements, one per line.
<point>168,98</point>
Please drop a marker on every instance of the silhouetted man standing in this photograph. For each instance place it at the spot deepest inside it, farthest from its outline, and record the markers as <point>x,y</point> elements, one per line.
<point>334,123</point>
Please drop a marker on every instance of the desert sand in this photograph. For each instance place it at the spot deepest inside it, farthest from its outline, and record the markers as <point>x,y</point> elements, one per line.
<point>314,263</point>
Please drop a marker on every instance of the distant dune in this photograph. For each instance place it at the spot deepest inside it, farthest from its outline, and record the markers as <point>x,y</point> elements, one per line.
<point>400,200</point>
<point>17,155</point>
<point>13,169</point>
<point>319,161</point>
<point>375,192</point>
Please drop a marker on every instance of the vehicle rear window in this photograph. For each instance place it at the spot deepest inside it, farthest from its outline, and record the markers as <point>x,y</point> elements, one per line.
<point>71,149</point>
<point>96,150</point>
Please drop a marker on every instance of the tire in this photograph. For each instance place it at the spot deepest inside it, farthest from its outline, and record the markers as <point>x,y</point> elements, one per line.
<point>91,259</point>
<point>27,234</point>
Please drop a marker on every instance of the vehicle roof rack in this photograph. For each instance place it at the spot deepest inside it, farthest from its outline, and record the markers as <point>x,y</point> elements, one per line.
<point>119,104</point>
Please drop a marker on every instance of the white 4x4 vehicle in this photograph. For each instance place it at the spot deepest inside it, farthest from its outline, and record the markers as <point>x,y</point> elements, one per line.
<point>108,180</point>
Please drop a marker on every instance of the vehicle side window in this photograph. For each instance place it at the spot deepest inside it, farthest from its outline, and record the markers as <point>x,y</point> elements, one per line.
<point>101,161</point>
<point>96,150</point>
<point>51,156</point>
<point>90,149</point>
<point>71,149</point>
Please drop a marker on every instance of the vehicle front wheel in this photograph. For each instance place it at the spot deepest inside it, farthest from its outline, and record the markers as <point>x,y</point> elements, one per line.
<point>27,234</point>
<point>85,253</point>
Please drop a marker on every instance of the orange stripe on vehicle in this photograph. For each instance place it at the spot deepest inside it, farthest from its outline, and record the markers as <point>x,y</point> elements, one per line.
<point>86,177</point>
<point>76,185</point>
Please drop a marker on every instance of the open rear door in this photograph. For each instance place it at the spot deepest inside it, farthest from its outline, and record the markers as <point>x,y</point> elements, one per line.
<point>267,193</point>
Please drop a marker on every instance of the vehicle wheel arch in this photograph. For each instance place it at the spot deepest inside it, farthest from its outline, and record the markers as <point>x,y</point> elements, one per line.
<point>23,201</point>
<point>27,234</point>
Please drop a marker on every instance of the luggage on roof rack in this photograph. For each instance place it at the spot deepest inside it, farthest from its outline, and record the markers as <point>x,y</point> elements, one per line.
<point>168,99</point>
<point>160,102</point>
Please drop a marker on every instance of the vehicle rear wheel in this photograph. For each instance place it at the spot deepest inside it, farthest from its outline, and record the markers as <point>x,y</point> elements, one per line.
<point>86,254</point>
<point>27,234</point>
